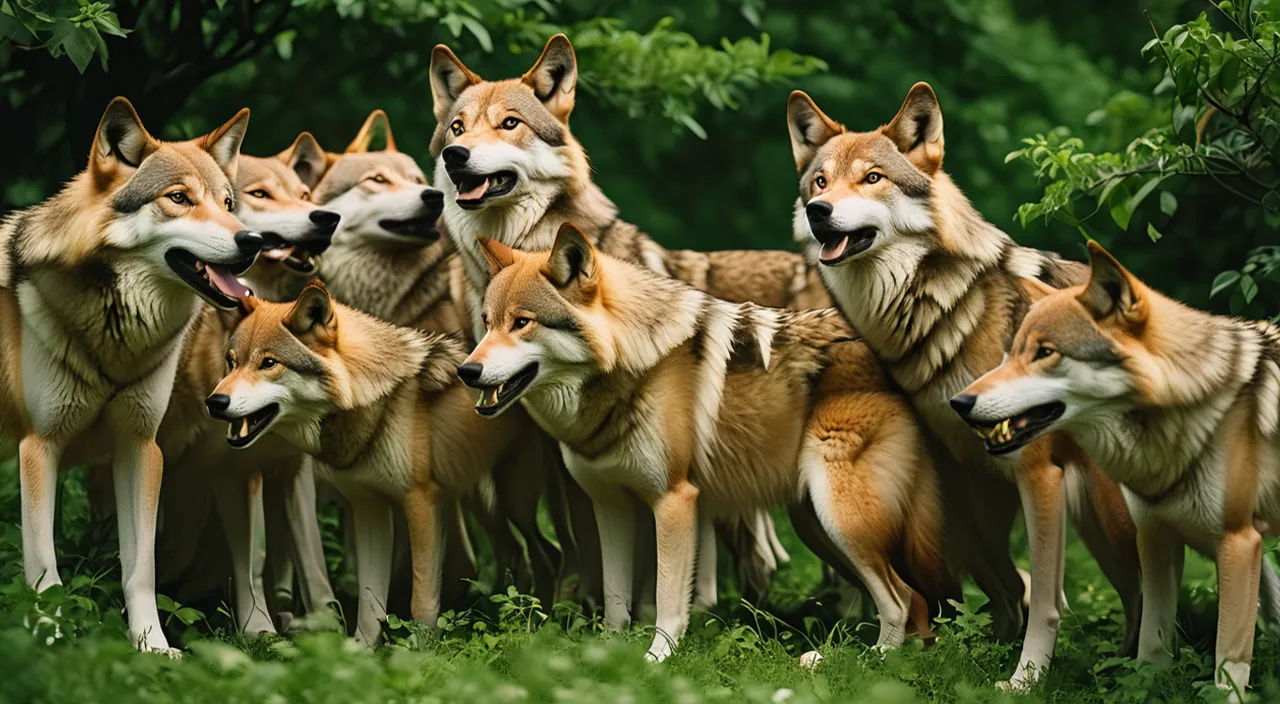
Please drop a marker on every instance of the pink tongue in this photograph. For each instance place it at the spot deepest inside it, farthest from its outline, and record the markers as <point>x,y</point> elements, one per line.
<point>226,283</point>
<point>833,250</point>
<point>476,192</point>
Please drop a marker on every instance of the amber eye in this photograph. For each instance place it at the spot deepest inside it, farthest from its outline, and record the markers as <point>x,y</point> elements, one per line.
<point>820,182</point>
<point>229,203</point>
<point>231,360</point>
<point>179,197</point>
<point>520,323</point>
<point>484,318</point>
<point>306,195</point>
<point>457,127</point>
<point>268,363</point>
<point>1043,352</point>
<point>259,193</point>
<point>874,177</point>
<point>378,178</point>
<point>510,123</point>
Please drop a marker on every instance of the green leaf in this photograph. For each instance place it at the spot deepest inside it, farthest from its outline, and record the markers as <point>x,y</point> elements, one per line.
<point>1144,191</point>
<point>1121,214</point>
<point>1271,202</point>
<point>1248,288</point>
<point>166,604</point>
<point>1229,74</point>
<point>1184,123</point>
<point>688,121</point>
<point>1168,203</point>
<point>13,30</point>
<point>481,34</point>
<point>1153,233</point>
<point>189,616</point>
<point>1223,281</point>
<point>77,42</point>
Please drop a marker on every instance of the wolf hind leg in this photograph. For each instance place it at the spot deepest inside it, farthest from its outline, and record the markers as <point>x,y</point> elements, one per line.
<point>235,493</point>
<point>519,503</point>
<point>675,515</point>
<point>1103,523</point>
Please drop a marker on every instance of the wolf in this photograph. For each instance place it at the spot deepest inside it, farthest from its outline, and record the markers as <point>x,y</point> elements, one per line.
<point>98,285</point>
<point>932,288</point>
<point>390,260</point>
<point>382,413</point>
<point>1181,407</point>
<point>275,202</point>
<point>644,381</point>
<point>511,169</point>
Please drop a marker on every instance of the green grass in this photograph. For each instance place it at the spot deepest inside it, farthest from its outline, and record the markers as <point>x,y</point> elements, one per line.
<point>70,645</point>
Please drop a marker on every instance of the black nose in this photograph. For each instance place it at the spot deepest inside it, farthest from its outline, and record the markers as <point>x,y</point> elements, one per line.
<point>818,211</point>
<point>434,200</point>
<point>326,220</point>
<point>964,403</point>
<point>249,242</point>
<point>217,404</point>
<point>470,373</point>
<point>455,155</point>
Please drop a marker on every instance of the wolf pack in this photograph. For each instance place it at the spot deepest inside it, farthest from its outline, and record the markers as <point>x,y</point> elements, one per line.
<point>226,339</point>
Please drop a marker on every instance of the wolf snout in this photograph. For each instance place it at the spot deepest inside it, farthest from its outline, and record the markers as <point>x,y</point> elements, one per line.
<point>963,404</point>
<point>326,220</point>
<point>455,156</point>
<point>434,200</point>
<point>249,243</point>
<point>818,212</point>
<point>218,405</point>
<point>470,373</point>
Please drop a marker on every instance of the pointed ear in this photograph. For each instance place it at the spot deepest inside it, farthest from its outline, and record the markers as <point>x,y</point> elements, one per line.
<point>121,141</point>
<point>448,79</point>
<point>306,158</point>
<point>554,77</point>
<point>223,144</point>
<point>572,260</point>
<point>917,129</point>
<point>364,137</point>
<point>496,253</point>
<point>810,128</point>
<point>312,312</point>
<point>1112,290</point>
<point>1034,289</point>
<point>231,319</point>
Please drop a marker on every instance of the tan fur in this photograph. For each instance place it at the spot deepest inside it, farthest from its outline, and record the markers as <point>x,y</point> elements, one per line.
<point>1181,410</point>
<point>935,294</point>
<point>657,412</point>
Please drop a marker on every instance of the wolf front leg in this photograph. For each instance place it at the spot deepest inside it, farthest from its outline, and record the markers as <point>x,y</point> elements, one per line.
<point>675,517</point>
<point>426,540</point>
<point>1161,554</point>
<point>38,470</point>
<point>290,496</point>
<point>1239,568</point>
<point>374,531</point>
<point>616,520</point>
<point>137,469</point>
<point>706,591</point>
<point>1040,485</point>
<point>235,494</point>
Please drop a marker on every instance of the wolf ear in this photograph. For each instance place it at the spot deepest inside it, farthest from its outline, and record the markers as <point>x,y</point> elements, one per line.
<point>223,144</point>
<point>364,137</point>
<point>448,79</point>
<point>554,77</point>
<point>1112,290</point>
<point>1034,289</point>
<point>572,260</point>
<point>496,253</point>
<point>306,158</point>
<point>810,128</point>
<point>313,313</point>
<point>121,140</point>
<point>231,319</point>
<point>917,129</point>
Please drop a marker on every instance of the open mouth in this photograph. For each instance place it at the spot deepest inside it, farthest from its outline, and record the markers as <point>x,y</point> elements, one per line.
<point>494,399</point>
<point>475,189</point>
<point>838,245</point>
<point>216,283</point>
<point>423,228</point>
<point>1014,432</point>
<point>293,258</point>
<point>241,432</point>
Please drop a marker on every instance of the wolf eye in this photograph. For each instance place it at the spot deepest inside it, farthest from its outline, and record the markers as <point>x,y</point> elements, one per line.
<point>1043,352</point>
<point>520,323</point>
<point>178,197</point>
<point>259,193</point>
<point>306,195</point>
<point>268,363</point>
<point>378,178</point>
<point>873,177</point>
<point>229,203</point>
<point>231,360</point>
<point>510,123</point>
<point>457,127</point>
<point>820,182</point>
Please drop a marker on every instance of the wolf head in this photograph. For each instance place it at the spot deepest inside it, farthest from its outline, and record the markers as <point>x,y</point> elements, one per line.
<point>171,204</point>
<point>1081,355</point>
<point>275,202</point>
<point>542,316</point>
<point>382,196</point>
<point>289,365</point>
<point>866,192</point>
<point>504,147</point>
